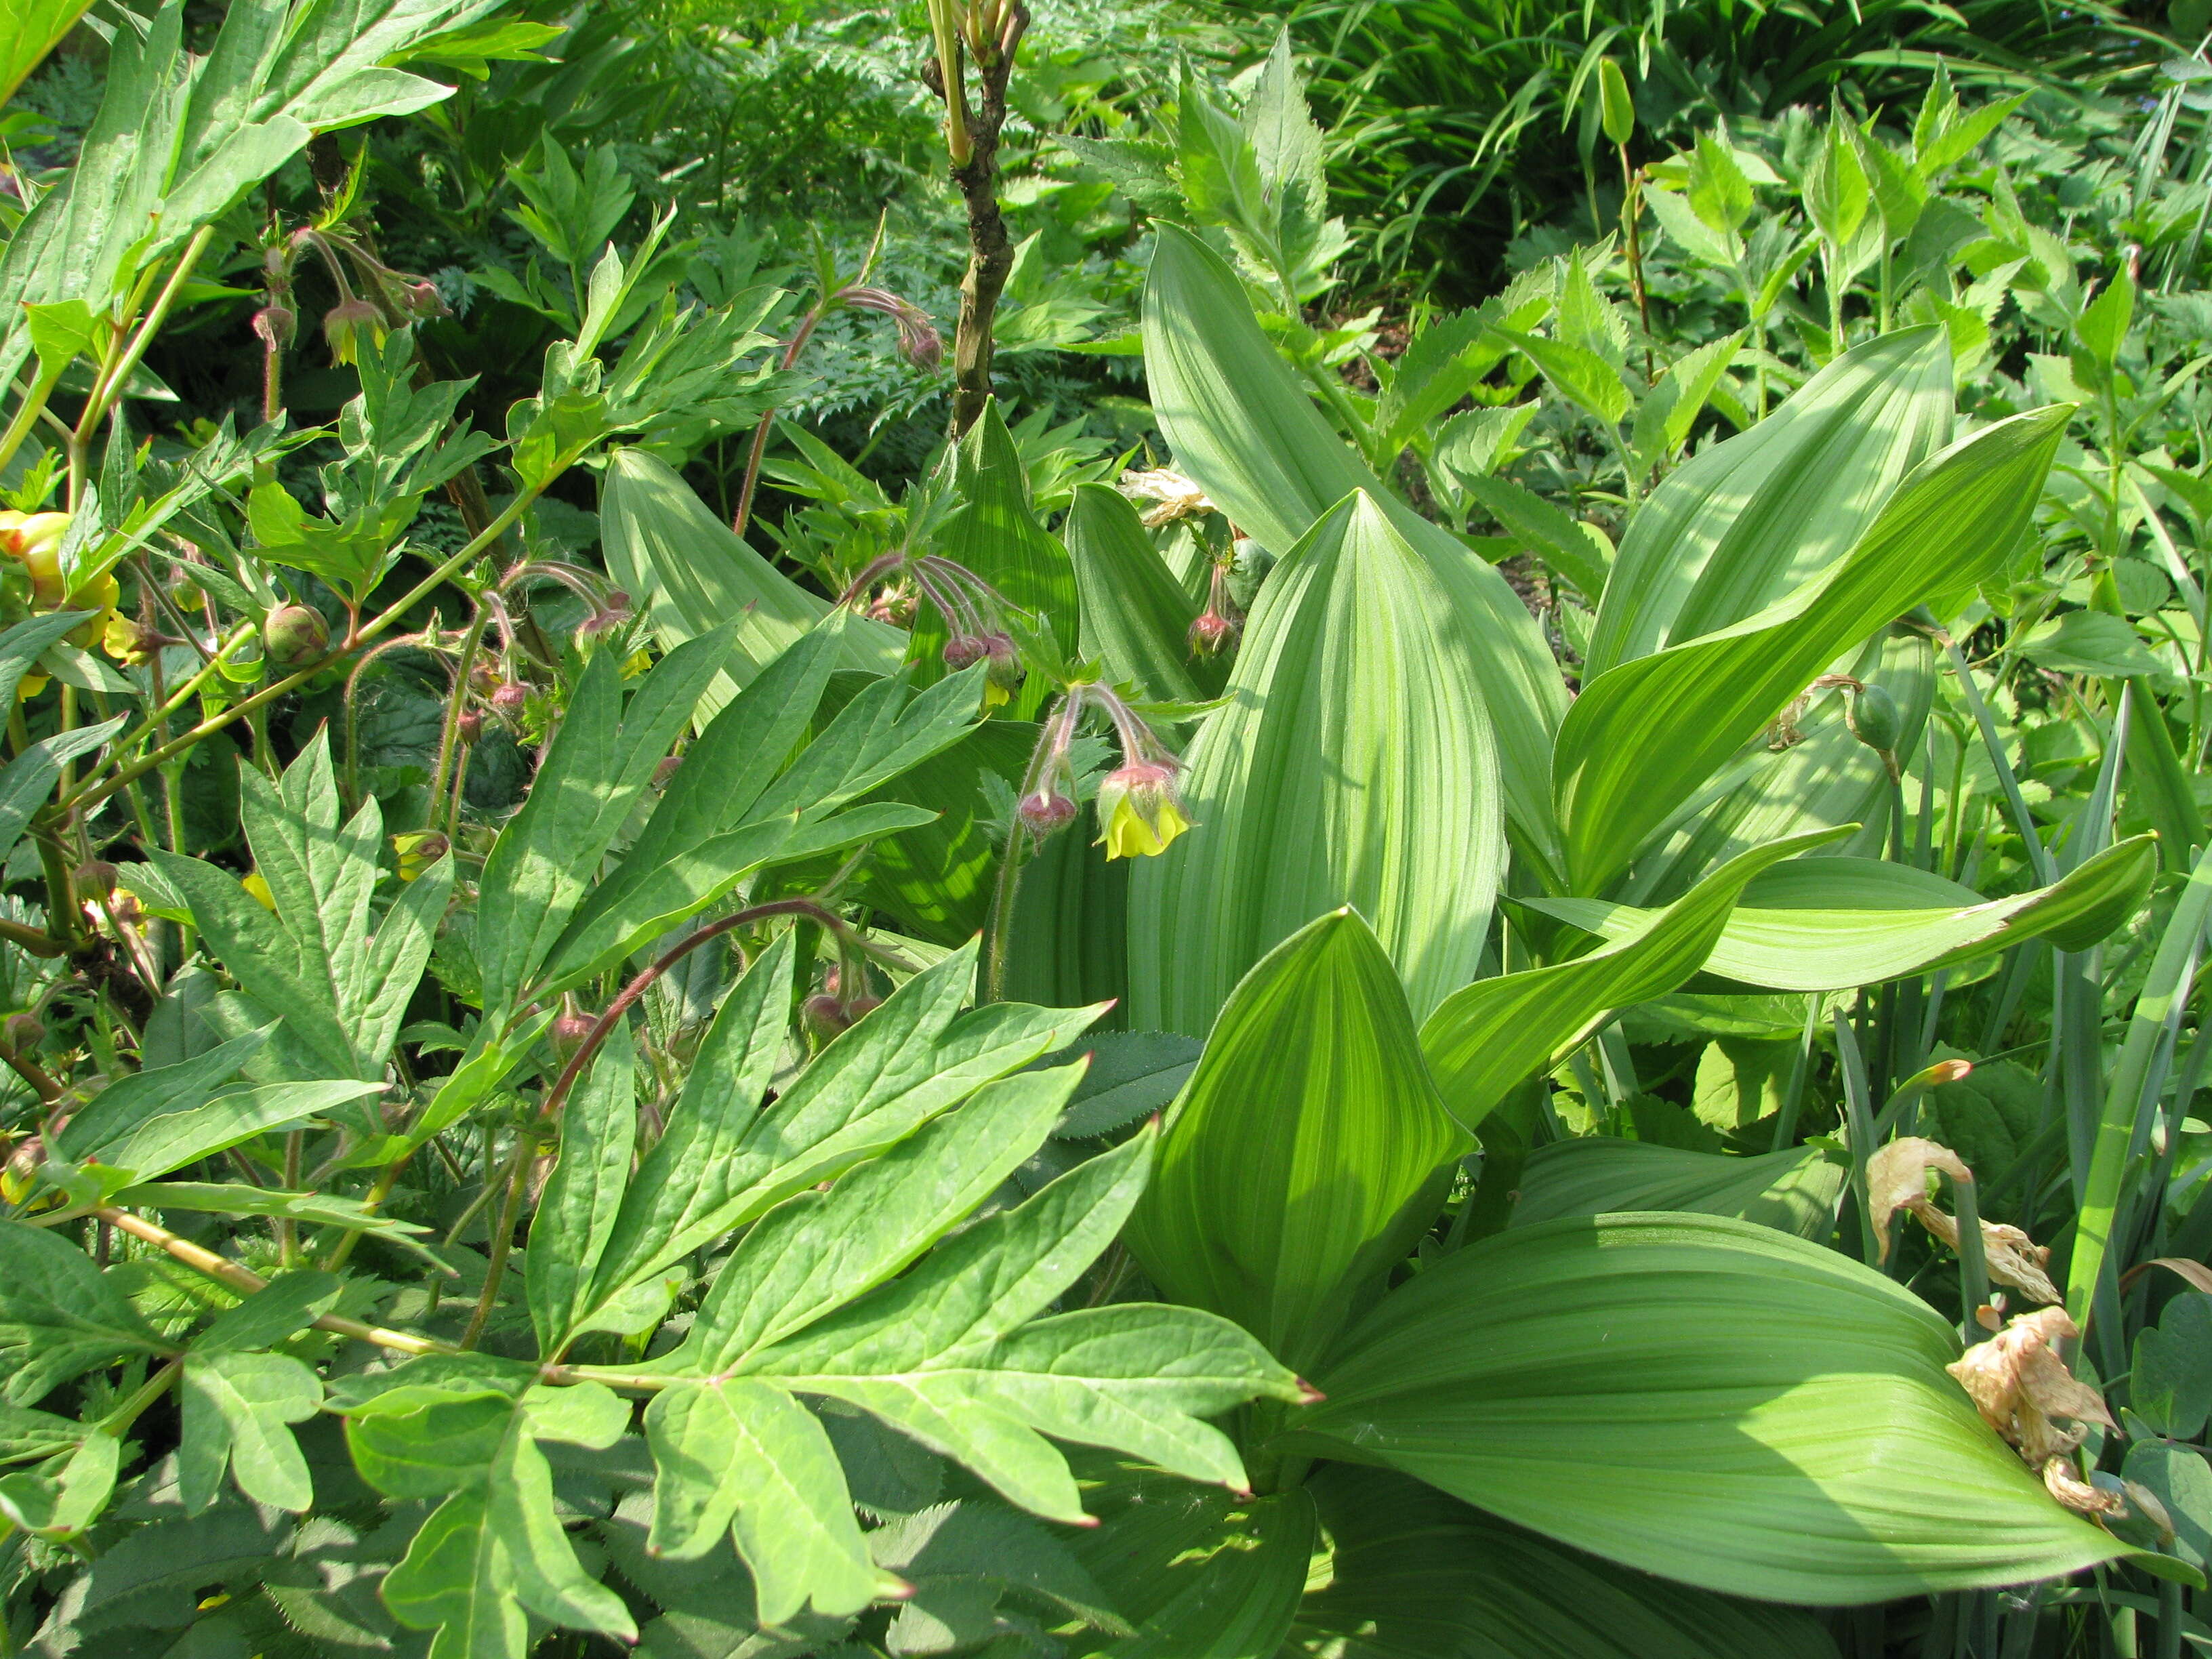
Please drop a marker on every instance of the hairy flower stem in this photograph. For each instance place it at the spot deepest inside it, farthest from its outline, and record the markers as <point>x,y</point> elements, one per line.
<point>449,737</point>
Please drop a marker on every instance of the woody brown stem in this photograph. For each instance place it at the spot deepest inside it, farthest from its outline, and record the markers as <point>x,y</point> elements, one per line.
<point>990,251</point>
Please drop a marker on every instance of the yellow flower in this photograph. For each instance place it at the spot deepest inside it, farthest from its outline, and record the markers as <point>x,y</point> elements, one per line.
<point>254,884</point>
<point>1137,805</point>
<point>418,850</point>
<point>995,694</point>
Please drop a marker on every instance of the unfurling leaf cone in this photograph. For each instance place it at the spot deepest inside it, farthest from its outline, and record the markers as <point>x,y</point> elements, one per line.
<point>22,1033</point>
<point>1045,812</point>
<point>1139,810</point>
<point>418,850</point>
<point>1872,715</point>
<point>1616,109</point>
<point>95,878</point>
<point>295,634</point>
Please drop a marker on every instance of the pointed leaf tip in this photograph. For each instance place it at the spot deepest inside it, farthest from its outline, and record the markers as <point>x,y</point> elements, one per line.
<point>1308,1395</point>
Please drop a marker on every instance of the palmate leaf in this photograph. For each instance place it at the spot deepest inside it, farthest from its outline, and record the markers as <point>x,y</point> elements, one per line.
<point>1418,1575</point>
<point>724,1161</point>
<point>179,138</point>
<point>59,1314</point>
<point>237,1407</point>
<point>1747,520</point>
<point>1353,765</point>
<point>1600,1380</point>
<point>1294,1163</point>
<point>1202,1574</point>
<point>1644,735</point>
<point>1242,425</point>
<point>726,814</point>
<point>1489,1035</point>
<point>1830,924</point>
<point>339,979</point>
<point>494,1550</point>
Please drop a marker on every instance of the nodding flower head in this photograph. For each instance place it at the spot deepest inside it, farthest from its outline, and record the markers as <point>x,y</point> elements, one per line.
<point>275,324</point>
<point>1214,633</point>
<point>1046,811</point>
<point>509,698</point>
<point>920,342</point>
<point>963,650</point>
<point>1139,810</point>
<point>346,322</point>
<point>1004,672</point>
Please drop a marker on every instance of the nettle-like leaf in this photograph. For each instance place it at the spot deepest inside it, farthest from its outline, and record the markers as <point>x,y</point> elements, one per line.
<point>317,955</point>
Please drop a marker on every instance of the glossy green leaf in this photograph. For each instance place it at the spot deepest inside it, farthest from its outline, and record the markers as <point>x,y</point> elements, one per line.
<point>237,1411</point>
<point>1353,765</point>
<point>1643,736</point>
<point>1747,520</point>
<point>1241,425</point>
<point>1795,1190</point>
<point>1291,1168</point>
<point>59,1314</point>
<point>724,1161</point>
<point>1136,616</point>
<point>817,1251</point>
<point>594,772</point>
<point>1415,1575</point>
<point>1701,1398</point>
<point>1828,924</point>
<point>692,575</point>
<point>1201,1574</point>
<point>1491,1035</point>
<point>28,33</point>
<point>576,1211</point>
<point>948,1355</point>
<point>740,1452</point>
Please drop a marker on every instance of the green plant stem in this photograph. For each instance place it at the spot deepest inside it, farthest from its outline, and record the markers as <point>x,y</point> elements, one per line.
<point>449,736</point>
<point>1793,1098</point>
<point>93,793</point>
<point>1974,1268</point>
<point>1859,1116</point>
<point>2038,855</point>
<point>502,1233</point>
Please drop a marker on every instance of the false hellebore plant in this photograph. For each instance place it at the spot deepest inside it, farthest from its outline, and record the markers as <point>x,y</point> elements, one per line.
<point>1101,1264</point>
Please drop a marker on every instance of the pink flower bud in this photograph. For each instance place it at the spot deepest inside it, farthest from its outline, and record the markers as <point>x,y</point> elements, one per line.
<point>469,727</point>
<point>1214,633</point>
<point>963,650</point>
<point>1046,811</point>
<point>510,697</point>
<point>347,323</point>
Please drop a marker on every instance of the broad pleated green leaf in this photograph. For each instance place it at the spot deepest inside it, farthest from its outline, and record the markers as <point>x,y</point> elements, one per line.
<point>1290,1169</point>
<point>1795,1190</point>
<point>691,574</point>
<point>1743,522</point>
<point>1353,765</point>
<point>1644,735</point>
<point>1489,1035</point>
<point>1416,1575</point>
<point>1829,924</point>
<point>1136,616</point>
<point>1201,1573</point>
<point>1828,777</point>
<point>1070,943</point>
<point>1702,1398</point>
<point>1241,424</point>
<point>995,533</point>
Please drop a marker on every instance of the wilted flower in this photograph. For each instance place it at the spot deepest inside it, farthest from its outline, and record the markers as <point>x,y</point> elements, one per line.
<point>920,343</point>
<point>1139,809</point>
<point>2021,1386</point>
<point>1173,496</point>
<point>2064,1482</point>
<point>1897,1179</point>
